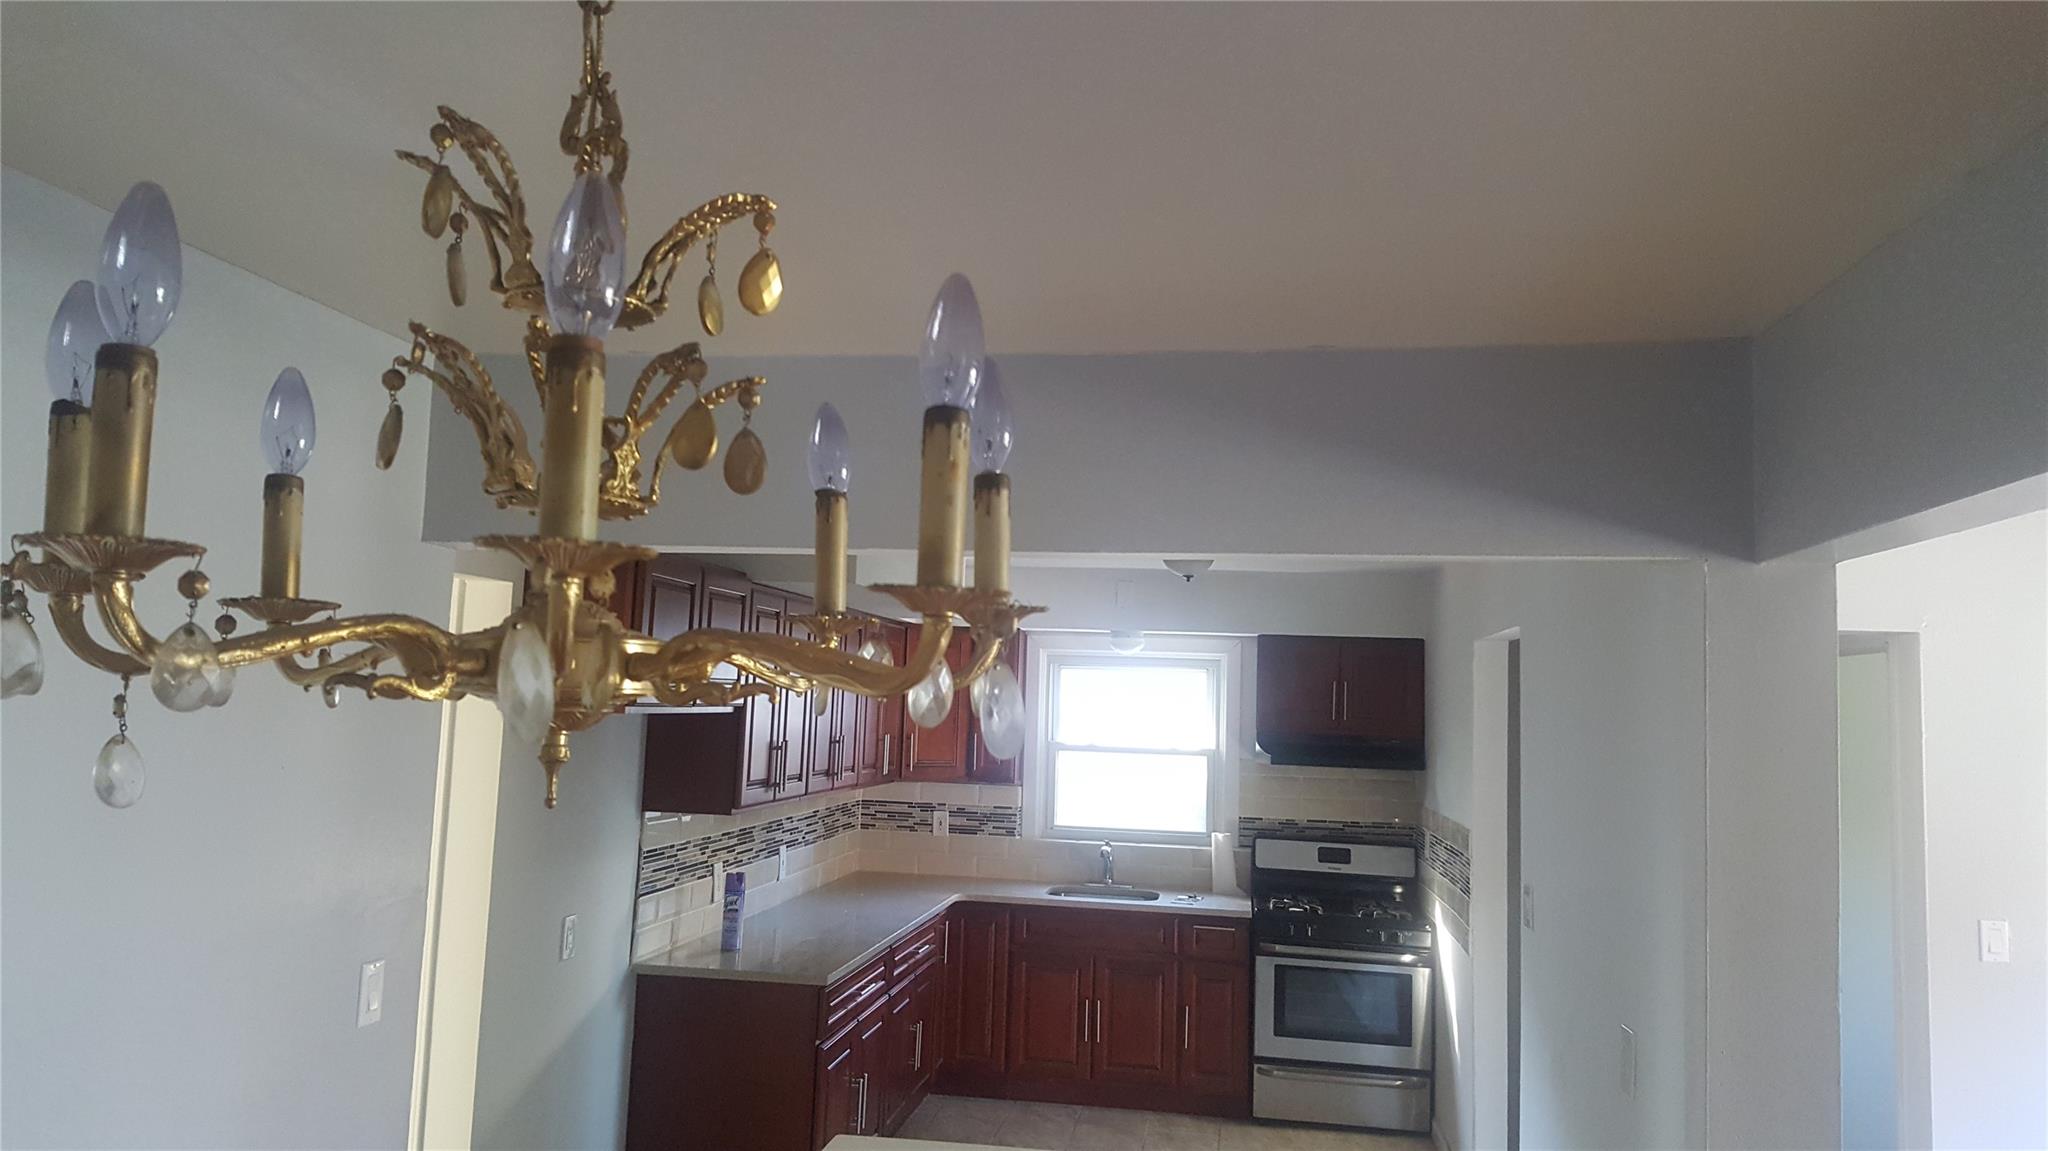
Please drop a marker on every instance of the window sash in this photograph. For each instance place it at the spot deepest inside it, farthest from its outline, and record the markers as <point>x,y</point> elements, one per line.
<point>1050,748</point>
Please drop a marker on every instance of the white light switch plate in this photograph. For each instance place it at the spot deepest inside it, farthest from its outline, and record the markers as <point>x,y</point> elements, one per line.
<point>370,994</point>
<point>1994,941</point>
<point>939,821</point>
<point>568,937</point>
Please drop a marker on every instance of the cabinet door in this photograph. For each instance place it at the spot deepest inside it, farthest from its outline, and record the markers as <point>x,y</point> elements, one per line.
<point>926,1049</point>
<point>1381,693</point>
<point>671,598</point>
<point>892,750</point>
<point>767,771</point>
<point>977,966</point>
<point>864,718</point>
<point>1300,688</point>
<point>725,602</point>
<point>838,1087</point>
<point>1136,1020</point>
<point>873,1030</point>
<point>628,600</point>
<point>1051,1000</point>
<point>1215,1027</point>
<point>941,753</point>
<point>892,1083</point>
<point>986,768</point>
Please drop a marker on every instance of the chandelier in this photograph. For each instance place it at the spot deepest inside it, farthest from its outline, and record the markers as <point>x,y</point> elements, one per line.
<point>561,662</point>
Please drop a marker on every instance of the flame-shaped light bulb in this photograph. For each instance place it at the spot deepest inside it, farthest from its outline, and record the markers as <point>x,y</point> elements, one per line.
<point>287,430</point>
<point>949,359</point>
<point>992,434</point>
<point>75,338</point>
<point>586,274</point>
<point>141,267</point>
<point>829,457</point>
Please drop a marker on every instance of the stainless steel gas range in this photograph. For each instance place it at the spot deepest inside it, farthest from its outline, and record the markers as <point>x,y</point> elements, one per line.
<point>1346,969</point>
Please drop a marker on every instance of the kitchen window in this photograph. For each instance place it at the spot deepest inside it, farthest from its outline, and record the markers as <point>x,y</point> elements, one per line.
<point>1132,744</point>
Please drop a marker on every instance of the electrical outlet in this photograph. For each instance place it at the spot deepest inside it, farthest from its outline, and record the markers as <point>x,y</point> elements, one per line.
<point>782,862</point>
<point>568,937</point>
<point>1628,1062</point>
<point>370,994</point>
<point>717,881</point>
<point>939,823</point>
<point>1529,906</point>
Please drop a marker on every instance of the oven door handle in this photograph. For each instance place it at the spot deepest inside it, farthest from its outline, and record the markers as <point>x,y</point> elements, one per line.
<point>1388,959</point>
<point>1344,1078</point>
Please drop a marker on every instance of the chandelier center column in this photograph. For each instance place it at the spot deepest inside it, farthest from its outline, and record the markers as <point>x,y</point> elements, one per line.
<point>123,411</point>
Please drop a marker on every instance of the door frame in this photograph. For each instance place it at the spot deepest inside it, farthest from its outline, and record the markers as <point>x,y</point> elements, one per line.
<point>1497,878</point>
<point>1912,1072</point>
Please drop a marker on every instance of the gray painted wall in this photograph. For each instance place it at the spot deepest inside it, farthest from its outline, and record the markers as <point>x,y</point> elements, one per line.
<point>551,1061</point>
<point>1583,451</point>
<point>183,973</point>
<point>1918,378</point>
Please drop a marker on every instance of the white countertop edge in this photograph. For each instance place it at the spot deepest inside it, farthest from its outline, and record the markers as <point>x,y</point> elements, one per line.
<point>690,959</point>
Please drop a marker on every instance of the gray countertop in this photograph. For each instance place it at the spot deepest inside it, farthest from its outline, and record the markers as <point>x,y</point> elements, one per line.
<point>825,935</point>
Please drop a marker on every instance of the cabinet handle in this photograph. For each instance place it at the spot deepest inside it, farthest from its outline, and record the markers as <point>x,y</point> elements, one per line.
<point>887,737</point>
<point>917,1052</point>
<point>1186,1016</point>
<point>860,1114</point>
<point>1347,702</point>
<point>1333,699</point>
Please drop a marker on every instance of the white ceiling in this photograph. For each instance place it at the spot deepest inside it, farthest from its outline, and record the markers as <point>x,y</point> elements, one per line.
<point>1114,177</point>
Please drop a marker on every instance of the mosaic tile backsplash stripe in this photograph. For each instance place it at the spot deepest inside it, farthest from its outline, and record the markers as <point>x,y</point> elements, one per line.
<point>1250,827</point>
<point>674,864</point>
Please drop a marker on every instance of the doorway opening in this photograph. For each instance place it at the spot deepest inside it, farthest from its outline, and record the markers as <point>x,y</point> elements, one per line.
<point>458,893</point>
<point>1883,894</point>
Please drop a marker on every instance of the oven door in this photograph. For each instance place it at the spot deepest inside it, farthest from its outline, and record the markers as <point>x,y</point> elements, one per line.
<point>1355,1008</point>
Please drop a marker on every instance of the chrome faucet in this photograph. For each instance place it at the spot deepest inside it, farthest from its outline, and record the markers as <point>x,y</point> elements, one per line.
<point>1108,863</point>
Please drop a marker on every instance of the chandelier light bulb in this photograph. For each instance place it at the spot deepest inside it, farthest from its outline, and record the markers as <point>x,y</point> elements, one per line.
<point>21,655</point>
<point>141,268</point>
<point>586,275</point>
<point>287,431</point>
<point>829,457</point>
<point>949,360</point>
<point>75,338</point>
<point>117,773</point>
<point>992,433</point>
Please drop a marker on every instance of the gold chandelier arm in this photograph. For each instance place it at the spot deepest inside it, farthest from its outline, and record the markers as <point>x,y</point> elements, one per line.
<point>509,473</point>
<point>288,665</point>
<point>647,295</point>
<point>413,641</point>
<point>116,597</point>
<point>507,241</point>
<point>988,648</point>
<point>786,662</point>
<point>67,614</point>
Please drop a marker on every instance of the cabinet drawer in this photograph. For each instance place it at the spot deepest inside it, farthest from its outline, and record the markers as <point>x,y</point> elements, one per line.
<point>1101,931</point>
<point>924,946</point>
<point>846,999</point>
<point>1220,940</point>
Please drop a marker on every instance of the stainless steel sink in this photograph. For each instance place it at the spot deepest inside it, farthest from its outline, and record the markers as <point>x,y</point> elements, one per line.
<point>1104,891</point>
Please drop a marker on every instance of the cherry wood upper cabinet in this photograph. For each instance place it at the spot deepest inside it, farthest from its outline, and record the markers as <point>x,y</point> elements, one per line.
<point>944,752</point>
<point>1341,701</point>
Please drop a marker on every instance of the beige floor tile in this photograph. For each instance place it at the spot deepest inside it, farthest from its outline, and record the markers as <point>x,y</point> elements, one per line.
<point>1042,1126</point>
<point>1181,1132</point>
<point>1108,1129</point>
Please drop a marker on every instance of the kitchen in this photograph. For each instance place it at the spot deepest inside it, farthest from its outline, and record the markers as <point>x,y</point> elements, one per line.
<point>920,949</point>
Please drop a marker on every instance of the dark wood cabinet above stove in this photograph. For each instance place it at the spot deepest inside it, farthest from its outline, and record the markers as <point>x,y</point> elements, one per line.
<point>1341,701</point>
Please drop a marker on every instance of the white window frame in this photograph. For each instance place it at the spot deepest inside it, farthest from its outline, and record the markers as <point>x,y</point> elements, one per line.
<point>1222,656</point>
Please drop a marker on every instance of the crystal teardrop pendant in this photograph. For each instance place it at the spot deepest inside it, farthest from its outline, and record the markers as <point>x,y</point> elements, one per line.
<point>438,203</point>
<point>761,283</point>
<point>220,685</point>
<point>875,651</point>
<point>117,774</point>
<point>710,309</point>
<point>181,675</point>
<point>999,705</point>
<point>526,683</point>
<point>746,463</point>
<point>21,655</point>
<point>330,694</point>
<point>932,698</point>
<point>695,439</point>
<point>389,433</point>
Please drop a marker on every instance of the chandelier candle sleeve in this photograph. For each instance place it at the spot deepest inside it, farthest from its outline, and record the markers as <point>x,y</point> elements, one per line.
<point>992,532</point>
<point>831,552</point>
<point>64,481</point>
<point>123,411</point>
<point>572,437</point>
<point>942,502</point>
<point>284,503</point>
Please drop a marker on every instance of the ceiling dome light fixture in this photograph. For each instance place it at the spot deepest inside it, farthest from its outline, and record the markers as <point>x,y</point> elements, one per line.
<point>562,662</point>
<point>1187,570</point>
